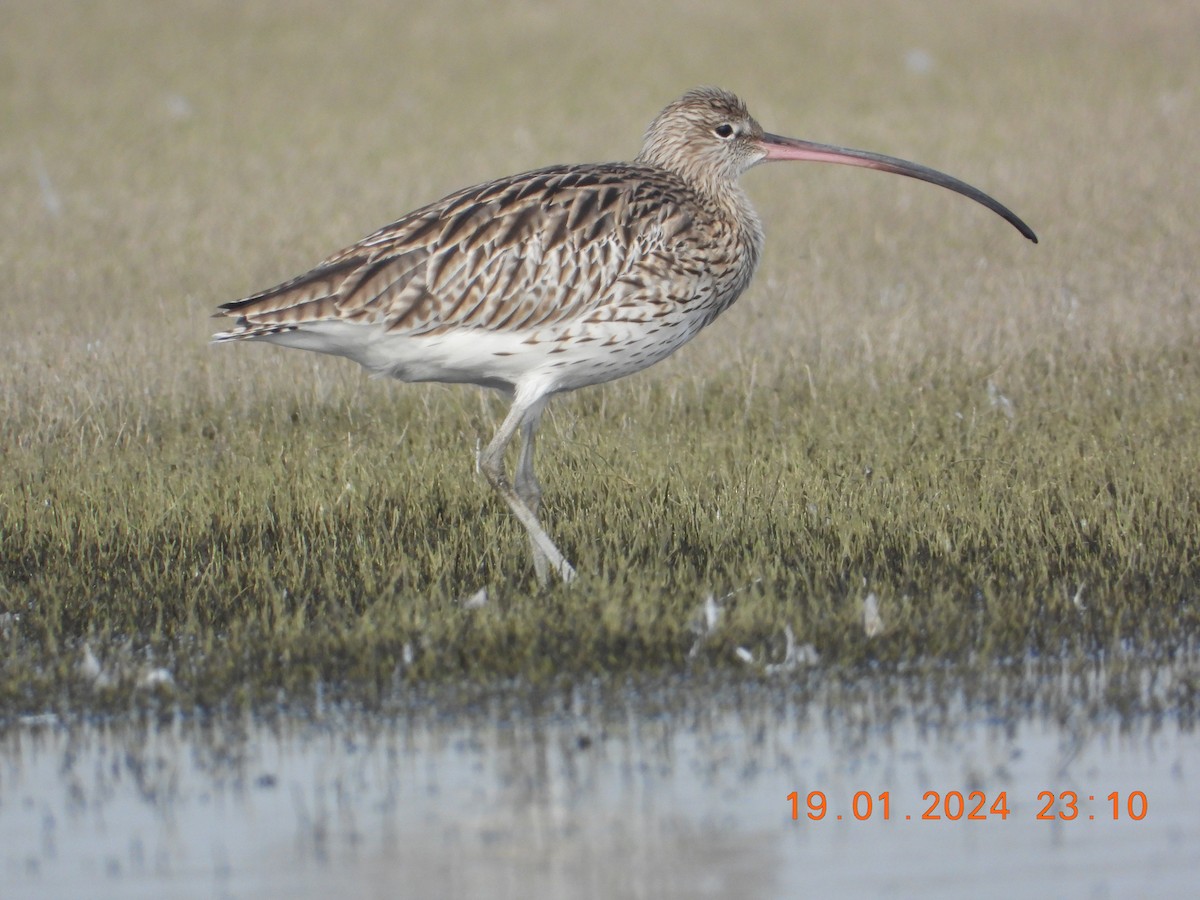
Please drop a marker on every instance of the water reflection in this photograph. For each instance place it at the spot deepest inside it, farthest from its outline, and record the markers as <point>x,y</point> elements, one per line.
<point>671,788</point>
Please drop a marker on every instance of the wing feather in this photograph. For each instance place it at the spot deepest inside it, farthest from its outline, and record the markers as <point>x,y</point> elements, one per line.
<point>524,252</point>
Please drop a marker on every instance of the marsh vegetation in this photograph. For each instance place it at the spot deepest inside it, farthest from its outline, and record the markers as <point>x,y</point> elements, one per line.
<point>998,442</point>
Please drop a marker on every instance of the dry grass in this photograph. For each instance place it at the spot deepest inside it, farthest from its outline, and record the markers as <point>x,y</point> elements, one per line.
<point>997,440</point>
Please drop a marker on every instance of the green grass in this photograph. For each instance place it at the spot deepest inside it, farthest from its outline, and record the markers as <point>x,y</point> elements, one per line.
<point>998,441</point>
<point>258,549</point>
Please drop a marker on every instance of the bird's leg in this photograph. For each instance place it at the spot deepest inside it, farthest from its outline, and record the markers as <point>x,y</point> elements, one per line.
<point>491,463</point>
<point>526,484</point>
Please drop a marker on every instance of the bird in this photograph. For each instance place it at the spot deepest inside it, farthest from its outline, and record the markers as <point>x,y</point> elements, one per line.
<point>555,279</point>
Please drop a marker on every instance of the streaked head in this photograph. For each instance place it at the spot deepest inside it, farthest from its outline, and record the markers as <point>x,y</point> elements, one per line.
<point>707,136</point>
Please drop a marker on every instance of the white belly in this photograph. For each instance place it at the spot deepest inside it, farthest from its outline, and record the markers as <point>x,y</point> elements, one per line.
<point>559,359</point>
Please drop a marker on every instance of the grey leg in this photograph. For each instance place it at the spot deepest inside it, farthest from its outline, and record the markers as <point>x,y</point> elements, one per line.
<point>525,499</point>
<point>526,484</point>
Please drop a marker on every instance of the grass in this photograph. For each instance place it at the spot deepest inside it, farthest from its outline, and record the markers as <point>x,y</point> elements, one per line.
<point>996,440</point>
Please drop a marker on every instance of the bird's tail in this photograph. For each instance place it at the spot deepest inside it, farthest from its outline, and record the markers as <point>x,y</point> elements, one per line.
<point>310,298</point>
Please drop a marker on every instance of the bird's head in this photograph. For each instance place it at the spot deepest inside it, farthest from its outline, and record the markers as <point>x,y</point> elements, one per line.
<point>708,138</point>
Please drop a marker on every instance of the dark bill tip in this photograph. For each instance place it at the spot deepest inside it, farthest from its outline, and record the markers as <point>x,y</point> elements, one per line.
<point>785,148</point>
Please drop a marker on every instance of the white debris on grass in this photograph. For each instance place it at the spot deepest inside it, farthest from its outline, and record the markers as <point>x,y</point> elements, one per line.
<point>999,401</point>
<point>156,677</point>
<point>177,106</point>
<point>89,668</point>
<point>919,61</point>
<point>141,676</point>
<point>477,600</point>
<point>50,197</point>
<point>872,621</point>
<point>794,657</point>
<point>704,621</point>
<point>707,618</point>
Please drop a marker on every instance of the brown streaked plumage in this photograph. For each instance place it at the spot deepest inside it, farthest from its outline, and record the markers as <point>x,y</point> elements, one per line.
<point>555,279</point>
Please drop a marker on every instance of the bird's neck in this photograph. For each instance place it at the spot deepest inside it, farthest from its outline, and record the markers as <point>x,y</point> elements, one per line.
<point>725,198</point>
<point>736,205</point>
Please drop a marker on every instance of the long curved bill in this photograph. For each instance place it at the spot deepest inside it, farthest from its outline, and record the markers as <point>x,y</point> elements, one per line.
<point>783,148</point>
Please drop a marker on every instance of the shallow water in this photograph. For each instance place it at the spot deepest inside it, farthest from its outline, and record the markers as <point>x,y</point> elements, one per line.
<point>654,790</point>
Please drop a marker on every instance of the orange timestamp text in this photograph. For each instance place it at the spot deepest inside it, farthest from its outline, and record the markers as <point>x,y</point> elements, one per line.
<point>975,806</point>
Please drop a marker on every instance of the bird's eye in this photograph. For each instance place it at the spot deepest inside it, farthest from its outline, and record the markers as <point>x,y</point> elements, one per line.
<point>724,130</point>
